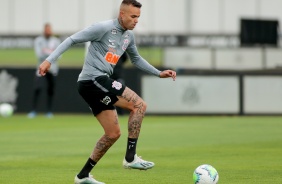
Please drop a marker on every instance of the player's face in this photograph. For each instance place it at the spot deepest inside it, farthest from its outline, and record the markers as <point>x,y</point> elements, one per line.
<point>48,31</point>
<point>130,17</point>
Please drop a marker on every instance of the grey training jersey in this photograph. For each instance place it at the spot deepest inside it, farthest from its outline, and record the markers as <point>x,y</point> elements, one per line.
<point>108,41</point>
<point>43,48</point>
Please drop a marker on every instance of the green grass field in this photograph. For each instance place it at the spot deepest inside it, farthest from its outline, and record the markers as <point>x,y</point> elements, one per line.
<point>244,150</point>
<point>73,57</point>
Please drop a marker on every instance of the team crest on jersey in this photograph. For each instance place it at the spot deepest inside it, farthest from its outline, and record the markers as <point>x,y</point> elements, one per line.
<point>116,85</point>
<point>114,31</point>
<point>125,44</point>
<point>106,100</point>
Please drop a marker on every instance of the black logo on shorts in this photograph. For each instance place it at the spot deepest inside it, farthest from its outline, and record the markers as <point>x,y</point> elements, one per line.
<point>106,100</point>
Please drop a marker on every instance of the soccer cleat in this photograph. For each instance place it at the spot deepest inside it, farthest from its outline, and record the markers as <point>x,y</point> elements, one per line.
<point>49,115</point>
<point>87,180</point>
<point>138,163</point>
<point>32,114</point>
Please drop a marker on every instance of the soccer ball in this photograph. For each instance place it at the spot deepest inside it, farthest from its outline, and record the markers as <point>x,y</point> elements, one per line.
<point>205,174</point>
<point>6,110</point>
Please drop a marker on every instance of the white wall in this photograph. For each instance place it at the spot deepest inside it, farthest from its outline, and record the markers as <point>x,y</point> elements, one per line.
<point>192,94</point>
<point>262,94</point>
<point>233,10</point>
<point>5,16</point>
<point>205,16</point>
<point>232,59</point>
<point>158,16</point>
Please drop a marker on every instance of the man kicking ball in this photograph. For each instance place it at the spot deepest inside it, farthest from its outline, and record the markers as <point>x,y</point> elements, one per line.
<point>108,41</point>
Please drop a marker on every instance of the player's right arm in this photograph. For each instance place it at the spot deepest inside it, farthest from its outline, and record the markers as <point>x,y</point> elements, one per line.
<point>44,67</point>
<point>90,33</point>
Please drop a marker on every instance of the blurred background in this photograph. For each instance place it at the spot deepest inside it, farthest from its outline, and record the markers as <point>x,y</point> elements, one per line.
<point>227,53</point>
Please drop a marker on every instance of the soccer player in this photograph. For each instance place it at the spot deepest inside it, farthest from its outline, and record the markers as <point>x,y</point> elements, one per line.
<point>109,40</point>
<point>44,45</point>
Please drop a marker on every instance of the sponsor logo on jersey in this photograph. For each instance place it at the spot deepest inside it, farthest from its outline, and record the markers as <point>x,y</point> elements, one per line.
<point>112,58</point>
<point>116,85</point>
<point>106,100</point>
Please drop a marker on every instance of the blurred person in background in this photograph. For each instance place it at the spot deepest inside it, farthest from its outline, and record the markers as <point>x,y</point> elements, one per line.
<point>44,45</point>
<point>109,40</point>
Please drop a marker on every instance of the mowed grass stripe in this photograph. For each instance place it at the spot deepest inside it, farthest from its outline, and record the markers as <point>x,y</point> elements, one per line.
<point>244,150</point>
<point>73,57</point>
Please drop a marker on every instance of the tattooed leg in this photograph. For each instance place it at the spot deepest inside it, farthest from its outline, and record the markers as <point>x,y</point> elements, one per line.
<point>131,101</point>
<point>109,121</point>
<point>137,106</point>
<point>135,121</point>
<point>102,147</point>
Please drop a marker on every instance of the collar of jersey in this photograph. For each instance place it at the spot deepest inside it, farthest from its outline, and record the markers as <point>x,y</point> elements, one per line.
<point>118,26</point>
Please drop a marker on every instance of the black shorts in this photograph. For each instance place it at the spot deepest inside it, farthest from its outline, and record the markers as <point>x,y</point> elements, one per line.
<point>101,93</point>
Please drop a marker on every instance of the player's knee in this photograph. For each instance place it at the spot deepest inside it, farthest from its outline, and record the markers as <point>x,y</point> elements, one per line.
<point>144,105</point>
<point>114,134</point>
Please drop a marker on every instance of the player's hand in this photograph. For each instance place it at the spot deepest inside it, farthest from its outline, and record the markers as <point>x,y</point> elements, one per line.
<point>44,67</point>
<point>168,73</point>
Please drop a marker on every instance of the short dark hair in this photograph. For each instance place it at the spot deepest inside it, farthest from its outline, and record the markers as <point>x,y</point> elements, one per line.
<point>132,2</point>
<point>47,24</point>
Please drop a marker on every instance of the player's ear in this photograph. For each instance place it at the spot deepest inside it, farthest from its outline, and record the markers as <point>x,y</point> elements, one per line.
<point>121,14</point>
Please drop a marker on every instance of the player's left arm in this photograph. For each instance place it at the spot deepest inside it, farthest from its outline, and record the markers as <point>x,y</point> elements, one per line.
<point>168,73</point>
<point>142,64</point>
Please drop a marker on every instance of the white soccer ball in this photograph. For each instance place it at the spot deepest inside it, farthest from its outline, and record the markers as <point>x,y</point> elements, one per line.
<point>205,174</point>
<point>6,110</point>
